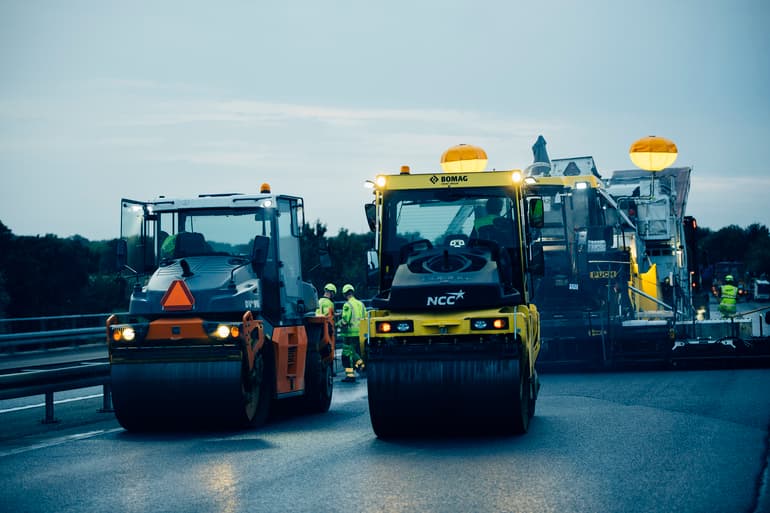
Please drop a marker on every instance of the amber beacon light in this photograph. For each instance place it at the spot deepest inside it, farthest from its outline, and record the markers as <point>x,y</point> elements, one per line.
<point>464,158</point>
<point>653,153</point>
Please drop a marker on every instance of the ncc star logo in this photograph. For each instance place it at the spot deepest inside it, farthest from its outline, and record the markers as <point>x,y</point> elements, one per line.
<point>448,299</point>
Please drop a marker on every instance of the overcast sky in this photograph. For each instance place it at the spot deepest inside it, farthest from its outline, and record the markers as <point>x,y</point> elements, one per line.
<point>101,99</point>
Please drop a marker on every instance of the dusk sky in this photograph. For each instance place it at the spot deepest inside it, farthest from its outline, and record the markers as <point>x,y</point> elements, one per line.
<point>101,100</point>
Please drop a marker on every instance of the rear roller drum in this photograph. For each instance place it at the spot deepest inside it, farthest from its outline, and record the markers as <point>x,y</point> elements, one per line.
<point>516,419</point>
<point>257,392</point>
<point>472,396</point>
<point>173,395</point>
<point>319,383</point>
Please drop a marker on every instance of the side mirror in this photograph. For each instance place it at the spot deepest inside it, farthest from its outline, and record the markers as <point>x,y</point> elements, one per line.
<point>325,259</point>
<point>372,269</point>
<point>121,253</point>
<point>372,261</point>
<point>259,251</point>
<point>371,215</point>
<point>536,213</point>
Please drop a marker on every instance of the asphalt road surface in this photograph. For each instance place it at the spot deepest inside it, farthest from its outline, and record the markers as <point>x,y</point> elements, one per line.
<point>684,441</point>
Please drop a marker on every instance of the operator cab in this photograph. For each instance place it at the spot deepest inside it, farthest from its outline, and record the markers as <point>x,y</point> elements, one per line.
<point>227,238</point>
<point>469,221</point>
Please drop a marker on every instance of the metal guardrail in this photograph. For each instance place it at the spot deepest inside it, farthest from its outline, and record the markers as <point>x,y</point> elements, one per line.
<point>22,375</point>
<point>29,382</point>
<point>50,339</point>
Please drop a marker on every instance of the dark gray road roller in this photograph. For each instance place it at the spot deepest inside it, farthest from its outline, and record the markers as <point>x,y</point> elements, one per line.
<point>220,324</point>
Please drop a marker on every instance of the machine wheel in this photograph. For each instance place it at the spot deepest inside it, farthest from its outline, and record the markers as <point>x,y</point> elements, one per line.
<point>319,383</point>
<point>258,389</point>
<point>517,422</point>
<point>383,425</point>
<point>534,385</point>
<point>131,423</point>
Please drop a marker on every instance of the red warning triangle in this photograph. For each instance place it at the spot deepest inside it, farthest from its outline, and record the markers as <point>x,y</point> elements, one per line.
<point>177,297</point>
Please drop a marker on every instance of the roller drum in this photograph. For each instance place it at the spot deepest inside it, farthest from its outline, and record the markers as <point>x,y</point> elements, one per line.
<point>413,395</point>
<point>161,394</point>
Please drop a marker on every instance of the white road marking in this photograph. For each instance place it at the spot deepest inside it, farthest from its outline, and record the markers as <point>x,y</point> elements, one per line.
<point>59,441</point>
<point>60,401</point>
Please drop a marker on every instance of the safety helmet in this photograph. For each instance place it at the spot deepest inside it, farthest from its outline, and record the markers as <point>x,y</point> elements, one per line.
<point>729,278</point>
<point>331,288</point>
<point>348,288</point>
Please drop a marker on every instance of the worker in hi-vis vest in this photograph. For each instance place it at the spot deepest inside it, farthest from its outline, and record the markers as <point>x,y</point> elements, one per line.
<point>352,312</point>
<point>729,296</point>
<point>326,302</point>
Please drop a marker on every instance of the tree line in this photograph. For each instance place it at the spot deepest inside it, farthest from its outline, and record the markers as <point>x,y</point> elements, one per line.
<point>749,245</point>
<point>48,275</point>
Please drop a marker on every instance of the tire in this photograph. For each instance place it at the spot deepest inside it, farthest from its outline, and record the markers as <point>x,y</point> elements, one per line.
<point>384,424</point>
<point>319,383</point>
<point>131,423</point>
<point>258,389</point>
<point>533,387</point>
<point>517,422</point>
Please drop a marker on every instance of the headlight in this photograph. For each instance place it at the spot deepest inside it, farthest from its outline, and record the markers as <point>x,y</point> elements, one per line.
<point>489,323</point>
<point>225,331</point>
<point>123,333</point>
<point>394,327</point>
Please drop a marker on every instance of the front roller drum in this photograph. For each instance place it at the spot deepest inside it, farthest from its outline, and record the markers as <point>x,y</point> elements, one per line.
<point>425,396</point>
<point>183,394</point>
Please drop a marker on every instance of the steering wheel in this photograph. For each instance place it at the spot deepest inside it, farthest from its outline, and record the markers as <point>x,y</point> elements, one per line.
<point>447,263</point>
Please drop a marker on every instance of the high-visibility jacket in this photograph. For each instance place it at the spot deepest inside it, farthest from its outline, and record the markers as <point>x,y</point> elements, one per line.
<point>325,305</point>
<point>729,296</point>
<point>352,312</point>
<point>485,220</point>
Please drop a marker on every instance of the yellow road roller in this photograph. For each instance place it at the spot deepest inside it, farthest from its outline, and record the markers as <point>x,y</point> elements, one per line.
<point>453,336</point>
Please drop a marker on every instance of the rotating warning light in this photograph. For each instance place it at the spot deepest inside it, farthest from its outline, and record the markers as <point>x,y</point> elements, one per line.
<point>264,188</point>
<point>653,153</point>
<point>464,158</point>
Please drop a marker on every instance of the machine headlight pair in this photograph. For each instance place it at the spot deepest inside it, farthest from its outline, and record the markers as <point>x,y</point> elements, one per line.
<point>489,323</point>
<point>225,331</point>
<point>127,333</point>
<point>394,326</point>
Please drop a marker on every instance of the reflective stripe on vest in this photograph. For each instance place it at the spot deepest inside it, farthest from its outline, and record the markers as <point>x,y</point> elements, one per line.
<point>729,293</point>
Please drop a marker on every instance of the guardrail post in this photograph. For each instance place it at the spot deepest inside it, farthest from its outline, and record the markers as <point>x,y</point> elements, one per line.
<point>49,417</point>
<point>106,399</point>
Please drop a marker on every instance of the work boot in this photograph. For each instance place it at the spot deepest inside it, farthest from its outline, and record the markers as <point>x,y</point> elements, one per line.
<point>350,376</point>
